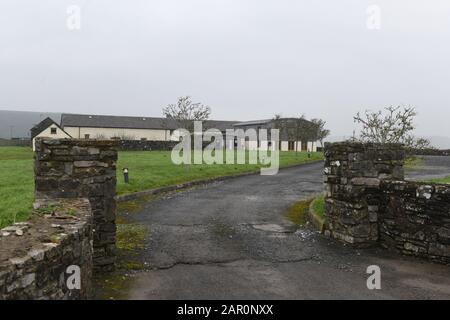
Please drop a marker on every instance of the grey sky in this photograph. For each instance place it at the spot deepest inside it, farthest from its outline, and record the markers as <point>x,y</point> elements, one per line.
<point>247,59</point>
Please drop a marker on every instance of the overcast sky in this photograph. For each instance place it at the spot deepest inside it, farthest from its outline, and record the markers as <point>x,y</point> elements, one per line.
<point>247,59</point>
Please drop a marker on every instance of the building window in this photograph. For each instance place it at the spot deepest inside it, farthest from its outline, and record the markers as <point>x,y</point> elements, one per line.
<point>86,136</point>
<point>53,130</point>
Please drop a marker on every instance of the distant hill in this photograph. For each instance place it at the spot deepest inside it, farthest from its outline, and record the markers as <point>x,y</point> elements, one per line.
<point>19,123</point>
<point>440,142</point>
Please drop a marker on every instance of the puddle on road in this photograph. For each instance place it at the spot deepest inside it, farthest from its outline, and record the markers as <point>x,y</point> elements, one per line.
<point>297,214</point>
<point>270,227</point>
<point>252,198</point>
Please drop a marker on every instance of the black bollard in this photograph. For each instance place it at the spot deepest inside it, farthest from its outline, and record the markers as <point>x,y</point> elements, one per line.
<point>125,175</point>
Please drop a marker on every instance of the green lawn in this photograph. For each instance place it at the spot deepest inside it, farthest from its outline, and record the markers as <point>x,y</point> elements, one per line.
<point>154,169</point>
<point>443,180</point>
<point>16,184</point>
<point>148,169</point>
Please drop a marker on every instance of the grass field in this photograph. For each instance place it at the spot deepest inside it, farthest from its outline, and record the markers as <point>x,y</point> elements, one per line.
<point>414,162</point>
<point>148,169</point>
<point>16,184</point>
<point>443,180</point>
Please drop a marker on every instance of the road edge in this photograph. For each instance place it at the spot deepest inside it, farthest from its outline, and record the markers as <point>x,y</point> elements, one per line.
<point>189,184</point>
<point>317,222</point>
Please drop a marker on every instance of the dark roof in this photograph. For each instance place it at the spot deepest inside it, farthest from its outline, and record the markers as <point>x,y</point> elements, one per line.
<point>219,124</point>
<point>253,122</point>
<point>41,126</point>
<point>267,121</point>
<point>285,126</point>
<point>83,120</point>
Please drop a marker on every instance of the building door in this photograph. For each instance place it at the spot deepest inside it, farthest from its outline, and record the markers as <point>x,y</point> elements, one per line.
<point>304,145</point>
<point>291,145</point>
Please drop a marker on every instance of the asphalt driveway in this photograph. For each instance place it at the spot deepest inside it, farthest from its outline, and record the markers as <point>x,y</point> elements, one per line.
<point>433,167</point>
<point>231,240</point>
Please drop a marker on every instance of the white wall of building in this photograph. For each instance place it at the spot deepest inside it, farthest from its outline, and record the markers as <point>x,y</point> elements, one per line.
<point>109,133</point>
<point>263,145</point>
<point>252,145</point>
<point>312,146</point>
<point>163,135</point>
<point>47,133</point>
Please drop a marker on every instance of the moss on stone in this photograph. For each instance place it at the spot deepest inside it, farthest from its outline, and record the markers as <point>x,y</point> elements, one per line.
<point>298,213</point>
<point>136,205</point>
<point>319,206</point>
<point>112,287</point>
<point>131,265</point>
<point>130,241</point>
<point>131,236</point>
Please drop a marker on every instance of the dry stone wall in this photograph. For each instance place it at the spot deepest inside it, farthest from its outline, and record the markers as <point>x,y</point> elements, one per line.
<point>77,168</point>
<point>368,202</point>
<point>146,145</point>
<point>36,256</point>
<point>415,219</point>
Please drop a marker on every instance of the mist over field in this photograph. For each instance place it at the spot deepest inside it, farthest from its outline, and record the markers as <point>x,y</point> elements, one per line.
<point>17,124</point>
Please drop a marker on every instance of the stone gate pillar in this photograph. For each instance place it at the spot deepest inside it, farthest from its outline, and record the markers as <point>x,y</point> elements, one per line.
<point>353,173</point>
<point>66,168</point>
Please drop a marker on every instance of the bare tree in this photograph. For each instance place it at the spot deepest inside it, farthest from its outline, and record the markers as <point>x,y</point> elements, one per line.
<point>301,130</point>
<point>422,143</point>
<point>278,123</point>
<point>297,129</point>
<point>185,112</point>
<point>391,125</point>
<point>290,128</point>
<point>311,130</point>
<point>321,132</point>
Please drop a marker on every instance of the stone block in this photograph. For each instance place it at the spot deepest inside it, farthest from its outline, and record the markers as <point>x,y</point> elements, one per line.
<point>364,181</point>
<point>442,250</point>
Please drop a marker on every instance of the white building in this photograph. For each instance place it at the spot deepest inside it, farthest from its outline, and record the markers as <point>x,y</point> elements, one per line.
<point>48,129</point>
<point>290,135</point>
<point>79,126</point>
